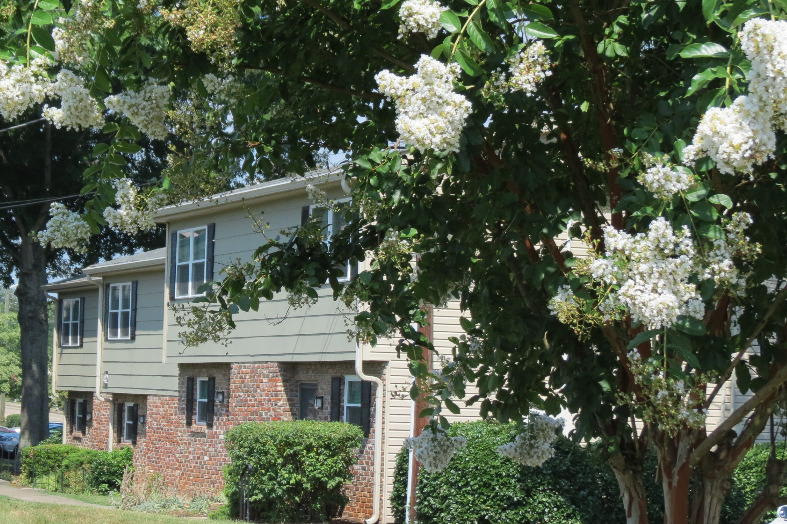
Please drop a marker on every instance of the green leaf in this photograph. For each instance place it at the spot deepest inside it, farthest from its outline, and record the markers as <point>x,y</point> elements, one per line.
<point>451,405</point>
<point>467,63</point>
<point>480,38</point>
<point>450,21</point>
<point>539,30</point>
<point>696,196</point>
<point>127,147</point>
<point>389,4</point>
<point>743,376</point>
<point>41,18</point>
<point>643,337</point>
<point>43,37</point>
<point>537,12</point>
<point>100,148</point>
<point>704,50</point>
<point>497,14</point>
<point>466,324</point>
<point>102,80</point>
<point>722,200</point>
<point>709,9</point>
<point>704,211</point>
<point>48,5</point>
<point>711,231</point>
<point>690,325</point>
<point>688,355</point>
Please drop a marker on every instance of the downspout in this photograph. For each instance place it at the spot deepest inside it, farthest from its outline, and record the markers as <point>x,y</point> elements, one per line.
<point>99,281</point>
<point>378,431</point>
<point>55,360</point>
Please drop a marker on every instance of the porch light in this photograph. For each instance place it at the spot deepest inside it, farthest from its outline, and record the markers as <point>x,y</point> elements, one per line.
<point>141,419</point>
<point>318,402</point>
<point>220,397</point>
<point>105,380</point>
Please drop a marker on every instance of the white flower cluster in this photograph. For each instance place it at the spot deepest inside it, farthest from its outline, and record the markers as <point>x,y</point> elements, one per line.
<point>651,271</point>
<point>765,45</point>
<point>145,109</point>
<point>22,87</point>
<point>665,181</point>
<point>317,196</point>
<point>72,34</point>
<point>420,16</point>
<point>742,136</point>
<point>134,212</point>
<point>430,115</point>
<point>65,229</point>
<point>718,262</point>
<point>78,110</point>
<point>737,138</point>
<point>224,88</point>
<point>528,68</point>
<point>533,446</point>
<point>435,450</point>
<point>563,299</point>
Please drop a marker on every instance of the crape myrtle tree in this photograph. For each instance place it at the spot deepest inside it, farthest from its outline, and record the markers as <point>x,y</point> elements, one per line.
<point>488,141</point>
<point>43,154</point>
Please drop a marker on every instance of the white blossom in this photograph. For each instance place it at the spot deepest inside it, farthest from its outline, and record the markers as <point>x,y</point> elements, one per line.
<point>435,450</point>
<point>224,88</point>
<point>562,299</point>
<point>73,33</point>
<point>145,108</point>
<point>317,196</point>
<point>765,45</point>
<point>134,213</point>
<point>78,110</point>
<point>666,181</point>
<point>420,16</point>
<point>22,87</point>
<point>65,229</point>
<point>430,115</point>
<point>528,68</point>
<point>533,446</point>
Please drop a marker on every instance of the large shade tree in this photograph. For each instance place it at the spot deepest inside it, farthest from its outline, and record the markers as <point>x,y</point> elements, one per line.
<point>501,129</point>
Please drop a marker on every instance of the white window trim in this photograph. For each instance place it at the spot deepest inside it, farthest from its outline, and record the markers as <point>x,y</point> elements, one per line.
<point>192,291</point>
<point>80,405</point>
<point>347,404</point>
<point>329,232</point>
<point>74,338</point>
<point>119,311</point>
<point>197,401</point>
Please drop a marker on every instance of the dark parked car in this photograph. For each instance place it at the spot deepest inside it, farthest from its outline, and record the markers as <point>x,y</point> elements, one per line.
<point>9,442</point>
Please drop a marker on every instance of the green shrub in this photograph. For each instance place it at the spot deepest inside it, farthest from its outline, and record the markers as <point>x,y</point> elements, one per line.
<point>44,459</point>
<point>55,438</point>
<point>749,480</point>
<point>13,421</point>
<point>296,469</point>
<point>106,471</point>
<point>399,488</point>
<point>480,485</point>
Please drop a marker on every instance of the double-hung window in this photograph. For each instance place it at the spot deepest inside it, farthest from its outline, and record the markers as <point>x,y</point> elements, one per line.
<point>352,400</point>
<point>202,400</point>
<point>119,312</point>
<point>191,261</point>
<point>71,322</point>
<point>332,220</point>
<point>78,415</point>
<point>130,424</point>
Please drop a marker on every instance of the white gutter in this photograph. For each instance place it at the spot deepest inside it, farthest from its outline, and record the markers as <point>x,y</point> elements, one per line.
<point>378,431</point>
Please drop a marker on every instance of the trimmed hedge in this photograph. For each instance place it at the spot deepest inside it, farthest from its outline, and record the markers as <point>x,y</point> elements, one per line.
<point>13,421</point>
<point>103,469</point>
<point>480,485</point>
<point>106,471</point>
<point>295,469</point>
<point>748,481</point>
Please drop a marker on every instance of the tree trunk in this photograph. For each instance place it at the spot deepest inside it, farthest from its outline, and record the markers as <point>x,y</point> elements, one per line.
<point>714,489</point>
<point>674,456</point>
<point>34,338</point>
<point>632,491</point>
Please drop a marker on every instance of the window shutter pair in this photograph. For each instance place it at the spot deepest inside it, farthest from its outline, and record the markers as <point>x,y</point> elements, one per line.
<point>173,257</point>
<point>132,329</point>
<point>366,403</point>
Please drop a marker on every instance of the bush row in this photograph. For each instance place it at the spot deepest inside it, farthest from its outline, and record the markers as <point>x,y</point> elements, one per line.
<point>574,486</point>
<point>103,469</point>
<point>292,471</point>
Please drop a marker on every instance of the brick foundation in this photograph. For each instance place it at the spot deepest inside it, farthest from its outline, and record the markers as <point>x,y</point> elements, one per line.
<point>192,458</point>
<point>96,434</point>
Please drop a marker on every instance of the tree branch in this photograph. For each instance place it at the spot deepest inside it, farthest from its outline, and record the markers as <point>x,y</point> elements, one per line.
<point>778,299</point>
<point>344,24</point>
<point>762,396</point>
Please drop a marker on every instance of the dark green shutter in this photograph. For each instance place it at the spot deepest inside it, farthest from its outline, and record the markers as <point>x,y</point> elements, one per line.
<point>107,288</point>
<point>209,252</point>
<point>173,263</point>
<point>81,321</point>
<point>366,407</point>
<point>336,397</point>
<point>211,402</point>
<point>120,410</point>
<point>134,423</point>
<point>304,214</point>
<point>133,314</point>
<point>189,399</point>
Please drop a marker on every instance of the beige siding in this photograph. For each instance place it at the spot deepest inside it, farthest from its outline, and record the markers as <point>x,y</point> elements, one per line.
<point>76,367</point>
<point>277,332</point>
<point>135,366</point>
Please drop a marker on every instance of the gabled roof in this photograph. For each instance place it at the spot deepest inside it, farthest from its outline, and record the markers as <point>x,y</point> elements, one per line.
<point>76,282</point>
<point>143,260</point>
<point>243,195</point>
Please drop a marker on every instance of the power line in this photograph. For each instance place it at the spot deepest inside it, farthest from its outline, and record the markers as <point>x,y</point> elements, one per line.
<point>33,201</point>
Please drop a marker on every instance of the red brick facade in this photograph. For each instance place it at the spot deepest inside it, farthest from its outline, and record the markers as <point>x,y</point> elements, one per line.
<point>192,458</point>
<point>96,433</point>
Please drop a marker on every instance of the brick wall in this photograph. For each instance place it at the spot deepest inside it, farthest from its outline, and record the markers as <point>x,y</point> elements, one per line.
<point>96,434</point>
<point>192,458</point>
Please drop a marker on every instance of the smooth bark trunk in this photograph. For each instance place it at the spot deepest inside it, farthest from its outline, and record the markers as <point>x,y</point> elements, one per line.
<point>632,492</point>
<point>34,338</point>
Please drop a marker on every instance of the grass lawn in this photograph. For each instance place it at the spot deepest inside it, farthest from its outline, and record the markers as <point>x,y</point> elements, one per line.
<point>19,512</point>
